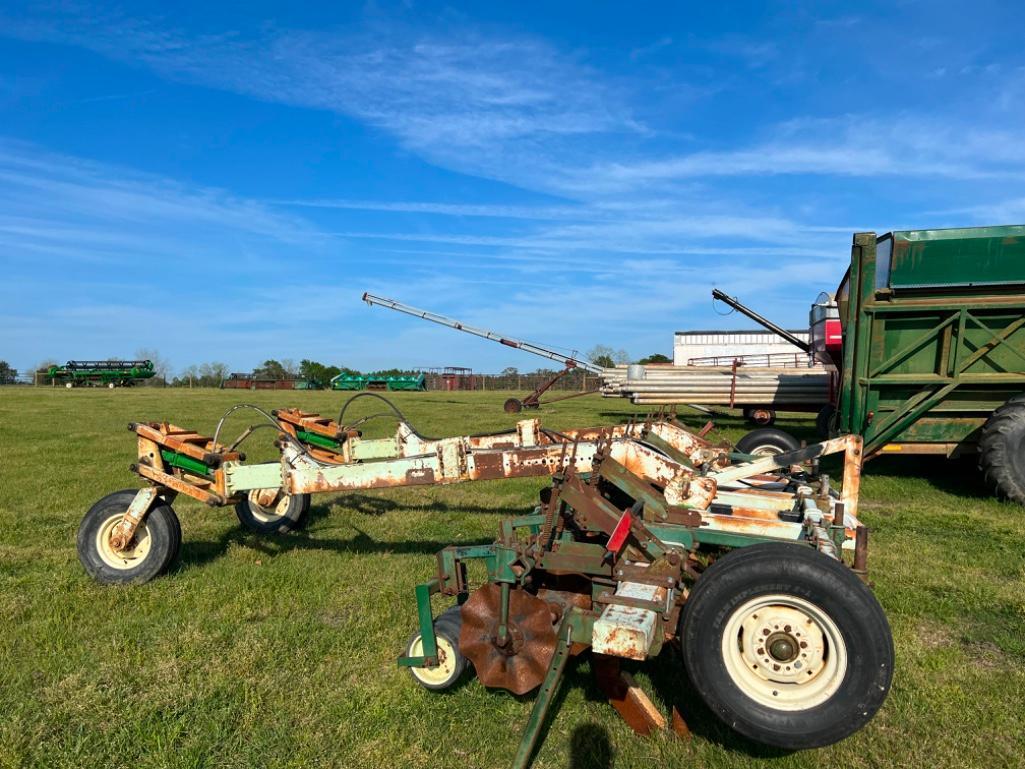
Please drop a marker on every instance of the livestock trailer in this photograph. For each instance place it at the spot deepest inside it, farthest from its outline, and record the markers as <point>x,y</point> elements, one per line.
<point>933,354</point>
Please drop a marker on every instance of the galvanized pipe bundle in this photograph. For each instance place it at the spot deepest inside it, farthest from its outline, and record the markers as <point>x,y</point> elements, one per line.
<point>718,386</point>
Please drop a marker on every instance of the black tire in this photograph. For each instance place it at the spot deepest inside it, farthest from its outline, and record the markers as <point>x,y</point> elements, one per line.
<point>763,417</point>
<point>446,629</point>
<point>824,421</point>
<point>125,497</point>
<point>851,683</point>
<point>158,540</point>
<point>277,519</point>
<point>767,440</point>
<point>1002,451</point>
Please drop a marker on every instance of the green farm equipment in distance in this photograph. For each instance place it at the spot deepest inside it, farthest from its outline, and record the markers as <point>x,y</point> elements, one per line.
<point>101,373</point>
<point>406,383</point>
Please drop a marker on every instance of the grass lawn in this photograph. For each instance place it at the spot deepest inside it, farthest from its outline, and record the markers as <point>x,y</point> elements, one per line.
<point>280,652</point>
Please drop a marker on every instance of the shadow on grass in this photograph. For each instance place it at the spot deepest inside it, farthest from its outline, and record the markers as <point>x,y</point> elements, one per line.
<point>960,477</point>
<point>590,748</point>
<point>199,552</point>
<point>672,685</point>
<point>368,505</point>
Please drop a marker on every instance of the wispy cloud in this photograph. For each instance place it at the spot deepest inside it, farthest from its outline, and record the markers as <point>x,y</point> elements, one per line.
<point>850,146</point>
<point>488,211</point>
<point>506,107</point>
<point>83,197</point>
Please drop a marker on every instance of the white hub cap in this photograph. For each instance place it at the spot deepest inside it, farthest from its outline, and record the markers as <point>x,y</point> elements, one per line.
<point>275,510</point>
<point>784,652</point>
<point>436,676</point>
<point>132,555</point>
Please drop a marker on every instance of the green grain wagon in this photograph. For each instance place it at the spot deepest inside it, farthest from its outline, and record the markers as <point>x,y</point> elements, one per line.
<point>933,358</point>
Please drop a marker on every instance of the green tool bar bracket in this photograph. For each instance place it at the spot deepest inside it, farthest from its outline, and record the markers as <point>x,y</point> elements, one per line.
<point>317,440</point>
<point>427,637</point>
<point>546,695</point>
<point>174,459</point>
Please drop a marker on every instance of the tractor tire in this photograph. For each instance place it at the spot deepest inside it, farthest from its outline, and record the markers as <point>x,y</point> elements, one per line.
<point>767,441</point>
<point>452,662</point>
<point>822,658</point>
<point>156,543</point>
<point>1002,451</point>
<point>287,513</point>
<point>824,421</point>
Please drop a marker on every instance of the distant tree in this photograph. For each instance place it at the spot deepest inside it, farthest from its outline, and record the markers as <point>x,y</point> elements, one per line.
<point>291,370</point>
<point>510,371</point>
<point>202,375</point>
<point>161,365</point>
<point>656,358</point>
<point>8,375</point>
<point>212,374</point>
<point>314,371</point>
<point>606,357</point>
<point>601,355</point>
<point>271,369</point>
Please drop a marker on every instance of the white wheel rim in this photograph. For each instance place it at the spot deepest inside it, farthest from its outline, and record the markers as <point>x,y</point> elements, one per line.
<point>784,652</point>
<point>271,513</point>
<point>766,450</point>
<point>436,676</point>
<point>136,552</point>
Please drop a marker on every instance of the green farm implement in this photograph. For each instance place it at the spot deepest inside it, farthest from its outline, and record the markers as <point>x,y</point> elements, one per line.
<point>392,383</point>
<point>101,373</point>
<point>648,537</point>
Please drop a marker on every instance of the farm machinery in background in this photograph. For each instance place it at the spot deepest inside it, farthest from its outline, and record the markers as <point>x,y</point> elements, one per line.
<point>512,405</point>
<point>648,536</point>
<point>931,359</point>
<point>101,373</point>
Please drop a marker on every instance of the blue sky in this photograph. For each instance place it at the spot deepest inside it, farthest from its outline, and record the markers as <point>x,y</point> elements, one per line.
<point>222,181</point>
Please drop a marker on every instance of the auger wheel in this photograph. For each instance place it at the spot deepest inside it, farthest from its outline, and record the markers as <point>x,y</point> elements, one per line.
<point>521,662</point>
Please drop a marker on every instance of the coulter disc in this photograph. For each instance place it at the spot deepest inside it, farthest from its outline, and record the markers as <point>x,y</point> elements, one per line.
<point>522,663</point>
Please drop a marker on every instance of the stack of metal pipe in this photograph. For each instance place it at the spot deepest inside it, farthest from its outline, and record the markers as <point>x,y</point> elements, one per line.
<point>718,386</point>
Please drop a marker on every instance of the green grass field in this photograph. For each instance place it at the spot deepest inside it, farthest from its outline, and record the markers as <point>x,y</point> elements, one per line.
<point>280,652</point>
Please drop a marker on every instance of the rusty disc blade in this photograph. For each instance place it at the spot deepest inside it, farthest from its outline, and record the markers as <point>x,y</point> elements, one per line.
<point>522,665</point>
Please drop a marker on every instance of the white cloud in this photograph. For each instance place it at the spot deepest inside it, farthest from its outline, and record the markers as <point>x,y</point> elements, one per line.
<point>94,203</point>
<point>510,108</point>
<point>850,146</point>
